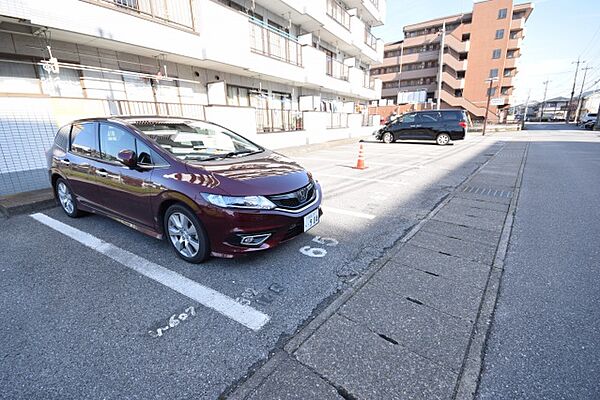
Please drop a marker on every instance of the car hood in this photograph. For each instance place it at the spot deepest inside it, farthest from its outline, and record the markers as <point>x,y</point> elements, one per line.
<point>264,173</point>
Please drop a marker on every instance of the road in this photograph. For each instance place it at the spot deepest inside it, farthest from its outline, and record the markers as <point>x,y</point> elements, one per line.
<point>83,320</point>
<point>545,336</point>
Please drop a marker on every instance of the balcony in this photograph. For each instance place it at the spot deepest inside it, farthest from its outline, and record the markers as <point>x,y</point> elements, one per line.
<point>517,24</point>
<point>338,13</point>
<point>370,39</point>
<point>514,43</point>
<point>418,57</point>
<point>272,43</point>
<point>336,69</point>
<point>172,12</point>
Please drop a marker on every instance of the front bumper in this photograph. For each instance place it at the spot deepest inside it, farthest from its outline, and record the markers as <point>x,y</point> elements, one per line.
<point>226,227</point>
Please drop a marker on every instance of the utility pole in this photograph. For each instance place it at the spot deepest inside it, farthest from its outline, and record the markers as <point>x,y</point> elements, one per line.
<point>487,107</point>
<point>544,101</point>
<point>573,90</point>
<point>525,112</point>
<point>441,66</point>
<point>579,100</point>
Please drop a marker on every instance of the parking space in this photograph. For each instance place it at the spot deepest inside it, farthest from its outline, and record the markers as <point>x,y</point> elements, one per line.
<point>92,305</point>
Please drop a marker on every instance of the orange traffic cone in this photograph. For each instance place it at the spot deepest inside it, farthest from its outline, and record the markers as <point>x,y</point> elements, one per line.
<point>360,164</point>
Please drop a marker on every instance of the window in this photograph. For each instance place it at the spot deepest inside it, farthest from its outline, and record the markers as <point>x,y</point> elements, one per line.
<point>428,117</point>
<point>62,137</point>
<point>504,90</point>
<point>511,54</point>
<point>114,139</point>
<point>514,34</point>
<point>491,91</point>
<point>493,73</point>
<point>84,139</point>
<point>146,156</point>
<point>500,34</point>
<point>408,118</point>
<point>507,73</point>
<point>496,54</point>
<point>502,13</point>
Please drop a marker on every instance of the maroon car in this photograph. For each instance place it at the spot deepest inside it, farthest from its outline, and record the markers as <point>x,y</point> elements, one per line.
<point>205,188</point>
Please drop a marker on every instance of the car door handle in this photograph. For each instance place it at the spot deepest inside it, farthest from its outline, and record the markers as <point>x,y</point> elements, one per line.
<point>64,162</point>
<point>102,173</point>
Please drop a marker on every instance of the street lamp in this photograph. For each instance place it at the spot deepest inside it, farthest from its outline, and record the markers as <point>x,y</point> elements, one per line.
<point>487,107</point>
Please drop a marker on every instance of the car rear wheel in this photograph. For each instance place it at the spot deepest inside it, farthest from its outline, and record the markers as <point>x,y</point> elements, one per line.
<point>186,234</point>
<point>66,199</point>
<point>388,137</point>
<point>442,139</point>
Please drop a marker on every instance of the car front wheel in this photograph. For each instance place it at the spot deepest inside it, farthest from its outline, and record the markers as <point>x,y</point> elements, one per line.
<point>388,137</point>
<point>186,234</point>
<point>443,139</point>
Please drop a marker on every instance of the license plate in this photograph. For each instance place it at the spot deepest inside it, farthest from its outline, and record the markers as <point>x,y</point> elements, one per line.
<point>311,220</point>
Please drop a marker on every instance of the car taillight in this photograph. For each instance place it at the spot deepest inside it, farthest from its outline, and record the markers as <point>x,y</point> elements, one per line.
<point>462,124</point>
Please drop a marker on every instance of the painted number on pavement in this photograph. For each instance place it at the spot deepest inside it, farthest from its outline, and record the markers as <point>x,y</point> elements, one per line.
<point>173,321</point>
<point>318,252</point>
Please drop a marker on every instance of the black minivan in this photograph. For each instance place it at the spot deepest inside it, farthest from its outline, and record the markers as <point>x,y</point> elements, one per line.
<point>439,125</point>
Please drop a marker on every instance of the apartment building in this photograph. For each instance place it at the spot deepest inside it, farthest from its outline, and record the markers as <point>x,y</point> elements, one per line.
<point>281,72</point>
<point>479,45</point>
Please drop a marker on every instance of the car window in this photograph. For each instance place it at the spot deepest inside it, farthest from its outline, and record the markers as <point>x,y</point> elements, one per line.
<point>62,137</point>
<point>114,139</point>
<point>147,156</point>
<point>427,117</point>
<point>196,140</point>
<point>451,116</point>
<point>84,139</point>
<point>408,118</point>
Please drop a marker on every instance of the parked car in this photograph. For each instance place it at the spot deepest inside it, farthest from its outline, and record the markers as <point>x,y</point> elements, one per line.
<point>203,187</point>
<point>440,125</point>
<point>589,124</point>
<point>588,118</point>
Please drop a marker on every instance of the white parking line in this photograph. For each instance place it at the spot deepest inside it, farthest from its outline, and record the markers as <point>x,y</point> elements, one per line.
<point>206,296</point>
<point>352,178</point>
<point>357,214</point>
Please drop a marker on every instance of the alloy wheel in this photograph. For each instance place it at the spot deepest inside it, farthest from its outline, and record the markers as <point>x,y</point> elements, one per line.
<point>443,139</point>
<point>66,198</point>
<point>388,138</point>
<point>183,234</point>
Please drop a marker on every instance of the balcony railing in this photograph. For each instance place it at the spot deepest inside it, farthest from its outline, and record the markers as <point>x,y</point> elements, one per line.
<point>370,39</point>
<point>277,120</point>
<point>178,12</point>
<point>336,69</point>
<point>130,107</point>
<point>336,11</point>
<point>273,43</point>
<point>375,3</point>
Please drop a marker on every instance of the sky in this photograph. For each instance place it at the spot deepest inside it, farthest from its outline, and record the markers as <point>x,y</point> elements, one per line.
<point>556,34</point>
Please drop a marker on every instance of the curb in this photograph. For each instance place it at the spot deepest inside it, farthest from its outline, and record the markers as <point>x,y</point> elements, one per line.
<point>247,387</point>
<point>291,151</point>
<point>26,202</point>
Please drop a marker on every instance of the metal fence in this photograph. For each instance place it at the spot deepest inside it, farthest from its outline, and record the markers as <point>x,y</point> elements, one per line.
<point>179,12</point>
<point>336,69</point>
<point>336,11</point>
<point>370,39</point>
<point>273,43</point>
<point>337,120</point>
<point>273,120</point>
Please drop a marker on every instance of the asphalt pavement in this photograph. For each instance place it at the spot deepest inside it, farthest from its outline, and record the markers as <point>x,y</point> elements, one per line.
<point>545,336</point>
<point>80,319</point>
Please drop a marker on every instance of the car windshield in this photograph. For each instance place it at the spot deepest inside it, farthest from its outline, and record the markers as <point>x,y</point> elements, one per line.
<point>196,140</point>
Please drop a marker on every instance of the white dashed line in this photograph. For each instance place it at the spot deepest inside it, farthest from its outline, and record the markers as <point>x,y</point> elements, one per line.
<point>348,212</point>
<point>206,296</point>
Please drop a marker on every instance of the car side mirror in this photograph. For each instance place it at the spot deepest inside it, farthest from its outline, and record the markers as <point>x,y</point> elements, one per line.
<point>128,158</point>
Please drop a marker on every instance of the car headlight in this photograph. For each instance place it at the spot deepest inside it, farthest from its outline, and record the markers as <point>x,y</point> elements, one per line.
<point>258,202</point>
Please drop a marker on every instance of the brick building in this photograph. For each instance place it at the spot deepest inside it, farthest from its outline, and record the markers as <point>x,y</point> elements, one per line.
<point>478,45</point>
